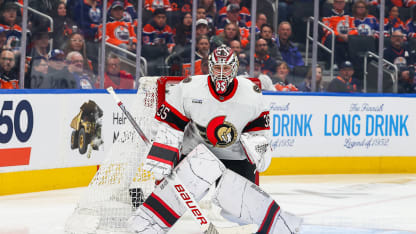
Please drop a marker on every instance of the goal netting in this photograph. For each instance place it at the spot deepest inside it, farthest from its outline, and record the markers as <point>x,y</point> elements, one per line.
<point>121,185</point>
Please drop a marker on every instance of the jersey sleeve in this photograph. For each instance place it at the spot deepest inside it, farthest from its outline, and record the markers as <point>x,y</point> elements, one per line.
<point>170,132</point>
<point>260,124</point>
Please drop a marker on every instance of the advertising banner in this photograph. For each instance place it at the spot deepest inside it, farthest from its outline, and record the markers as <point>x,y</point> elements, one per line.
<point>325,126</point>
<point>42,130</point>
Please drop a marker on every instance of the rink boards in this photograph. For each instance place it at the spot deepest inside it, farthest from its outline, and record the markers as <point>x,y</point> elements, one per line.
<point>311,134</point>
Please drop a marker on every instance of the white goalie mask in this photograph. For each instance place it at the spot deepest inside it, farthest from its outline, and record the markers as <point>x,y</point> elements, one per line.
<point>223,66</point>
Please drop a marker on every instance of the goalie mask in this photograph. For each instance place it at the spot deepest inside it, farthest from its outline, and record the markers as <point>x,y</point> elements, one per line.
<point>223,66</point>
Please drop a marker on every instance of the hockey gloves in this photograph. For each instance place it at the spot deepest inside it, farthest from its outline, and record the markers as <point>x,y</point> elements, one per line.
<point>257,150</point>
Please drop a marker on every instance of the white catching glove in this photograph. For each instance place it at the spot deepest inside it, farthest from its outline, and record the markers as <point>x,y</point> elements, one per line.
<point>257,150</point>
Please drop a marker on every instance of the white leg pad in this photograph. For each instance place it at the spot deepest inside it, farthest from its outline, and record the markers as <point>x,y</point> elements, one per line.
<point>247,203</point>
<point>197,172</point>
<point>145,222</point>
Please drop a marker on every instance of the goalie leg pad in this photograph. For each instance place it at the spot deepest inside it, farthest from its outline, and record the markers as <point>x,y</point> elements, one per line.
<point>248,203</point>
<point>197,172</point>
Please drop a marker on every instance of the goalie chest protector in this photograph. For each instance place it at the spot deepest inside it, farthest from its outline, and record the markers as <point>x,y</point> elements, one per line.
<point>218,121</point>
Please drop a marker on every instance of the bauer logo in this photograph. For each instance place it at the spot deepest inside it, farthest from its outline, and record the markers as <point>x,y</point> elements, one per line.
<point>16,122</point>
<point>86,128</point>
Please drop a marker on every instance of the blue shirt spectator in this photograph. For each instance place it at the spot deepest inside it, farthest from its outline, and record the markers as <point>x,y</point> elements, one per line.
<point>288,50</point>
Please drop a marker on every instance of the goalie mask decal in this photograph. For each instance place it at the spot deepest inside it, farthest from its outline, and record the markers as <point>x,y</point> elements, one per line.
<point>219,132</point>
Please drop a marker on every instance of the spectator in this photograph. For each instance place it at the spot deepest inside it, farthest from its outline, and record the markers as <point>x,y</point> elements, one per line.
<point>202,51</point>
<point>243,15</point>
<point>76,42</point>
<point>393,21</point>
<point>280,78</point>
<point>235,45</point>
<point>411,25</point>
<point>210,9</point>
<point>158,33</point>
<point>75,63</point>
<point>202,28</point>
<point>88,16</point>
<point>152,5</point>
<point>404,58</point>
<point>3,38</point>
<point>114,76</point>
<point>266,32</point>
<point>8,74</point>
<point>306,85</point>
<point>119,32</point>
<point>8,20</point>
<point>183,31</point>
<point>229,34</point>
<point>116,12</point>
<point>62,26</point>
<point>397,53</point>
<point>343,25</point>
<point>345,83</point>
<point>157,42</point>
<point>268,65</point>
<point>233,17</point>
<point>39,78</point>
<point>265,81</point>
<point>40,45</point>
<point>58,72</point>
<point>366,24</point>
<point>261,19</point>
<point>202,15</point>
<point>288,50</point>
<point>129,11</point>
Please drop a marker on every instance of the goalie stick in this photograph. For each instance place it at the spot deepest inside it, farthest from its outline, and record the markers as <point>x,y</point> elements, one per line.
<point>201,219</point>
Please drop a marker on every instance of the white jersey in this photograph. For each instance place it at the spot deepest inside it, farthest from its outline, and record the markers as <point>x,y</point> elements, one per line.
<point>199,115</point>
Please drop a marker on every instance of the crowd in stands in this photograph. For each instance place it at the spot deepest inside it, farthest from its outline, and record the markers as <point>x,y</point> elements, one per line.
<point>65,55</point>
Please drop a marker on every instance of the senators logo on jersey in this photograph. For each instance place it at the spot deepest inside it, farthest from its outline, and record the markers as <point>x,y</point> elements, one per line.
<point>219,132</point>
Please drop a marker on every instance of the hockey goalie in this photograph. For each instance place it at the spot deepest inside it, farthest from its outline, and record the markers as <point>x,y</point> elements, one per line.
<point>214,130</point>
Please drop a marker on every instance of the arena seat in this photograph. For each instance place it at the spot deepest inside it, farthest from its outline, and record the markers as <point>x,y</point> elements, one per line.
<point>357,47</point>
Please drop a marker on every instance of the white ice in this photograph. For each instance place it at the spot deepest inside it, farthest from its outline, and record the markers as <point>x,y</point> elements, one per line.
<point>329,204</point>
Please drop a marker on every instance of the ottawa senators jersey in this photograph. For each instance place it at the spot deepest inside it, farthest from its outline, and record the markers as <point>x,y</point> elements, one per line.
<point>202,116</point>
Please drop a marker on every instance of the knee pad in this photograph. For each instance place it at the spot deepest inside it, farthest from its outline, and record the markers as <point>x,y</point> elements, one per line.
<point>246,202</point>
<point>197,172</point>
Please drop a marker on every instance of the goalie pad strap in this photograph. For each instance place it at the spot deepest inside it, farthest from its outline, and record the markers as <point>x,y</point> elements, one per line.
<point>164,153</point>
<point>268,219</point>
<point>158,207</point>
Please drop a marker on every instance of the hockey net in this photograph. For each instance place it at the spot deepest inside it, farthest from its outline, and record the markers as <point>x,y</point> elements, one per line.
<point>121,185</point>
